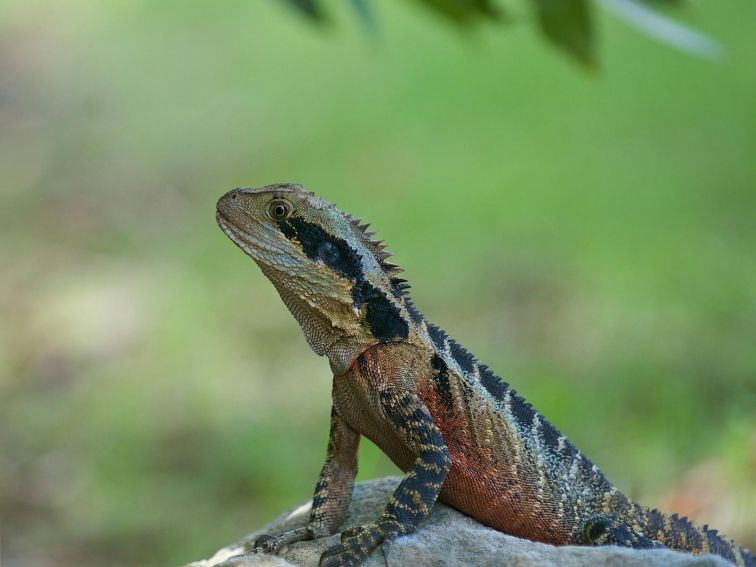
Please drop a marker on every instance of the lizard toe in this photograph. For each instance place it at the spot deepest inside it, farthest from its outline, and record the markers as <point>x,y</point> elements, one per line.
<point>273,544</point>
<point>263,542</point>
<point>352,532</point>
<point>341,556</point>
<point>356,545</point>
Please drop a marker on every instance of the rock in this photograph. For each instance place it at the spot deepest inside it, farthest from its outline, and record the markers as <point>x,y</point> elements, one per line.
<point>447,538</point>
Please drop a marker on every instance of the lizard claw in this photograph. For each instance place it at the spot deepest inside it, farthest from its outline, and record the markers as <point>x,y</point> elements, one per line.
<point>273,544</point>
<point>264,544</point>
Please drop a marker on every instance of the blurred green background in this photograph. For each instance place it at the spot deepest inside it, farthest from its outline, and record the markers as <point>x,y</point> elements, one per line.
<point>590,236</point>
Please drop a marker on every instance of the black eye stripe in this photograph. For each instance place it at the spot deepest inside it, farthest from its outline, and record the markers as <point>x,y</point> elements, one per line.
<point>329,253</point>
<point>315,240</point>
<point>383,317</point>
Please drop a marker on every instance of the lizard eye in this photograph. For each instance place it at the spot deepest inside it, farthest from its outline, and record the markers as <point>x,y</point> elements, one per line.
<point>279,210</point>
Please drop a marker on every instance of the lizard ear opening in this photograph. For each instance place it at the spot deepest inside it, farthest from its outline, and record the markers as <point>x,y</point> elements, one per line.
<point>329,253</point>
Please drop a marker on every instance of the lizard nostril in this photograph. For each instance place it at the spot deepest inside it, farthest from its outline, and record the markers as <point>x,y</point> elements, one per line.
<point>224,203</point>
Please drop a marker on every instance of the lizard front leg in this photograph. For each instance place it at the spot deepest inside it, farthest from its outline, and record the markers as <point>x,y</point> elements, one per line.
<point>333,491</point>
<point>413,499</point>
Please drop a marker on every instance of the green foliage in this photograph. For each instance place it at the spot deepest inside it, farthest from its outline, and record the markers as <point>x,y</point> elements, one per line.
<point>310,8</point>
<point>590,237</point>
<point>465,12</point>
<point>565,23</point>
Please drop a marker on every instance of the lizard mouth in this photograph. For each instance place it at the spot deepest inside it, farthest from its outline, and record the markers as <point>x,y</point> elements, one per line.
<point>248,243</point>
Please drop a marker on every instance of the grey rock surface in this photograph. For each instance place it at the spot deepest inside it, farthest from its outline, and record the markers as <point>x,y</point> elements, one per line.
<point>447,538</point>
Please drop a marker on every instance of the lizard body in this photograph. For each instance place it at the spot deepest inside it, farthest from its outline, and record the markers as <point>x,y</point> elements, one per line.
<point>460,433</point>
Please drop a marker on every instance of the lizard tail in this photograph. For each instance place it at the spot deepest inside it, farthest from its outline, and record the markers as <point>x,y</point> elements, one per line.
<point>680,533</point>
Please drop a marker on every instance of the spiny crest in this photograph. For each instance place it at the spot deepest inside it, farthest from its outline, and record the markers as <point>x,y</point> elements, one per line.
<point>377,247</point>
<point>521,410</point>
<point>367,237</point>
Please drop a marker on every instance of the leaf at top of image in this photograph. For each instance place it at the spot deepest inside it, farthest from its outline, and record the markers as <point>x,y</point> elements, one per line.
<point>308,8</point>
<point>464,11</point>
<point>568,25</point>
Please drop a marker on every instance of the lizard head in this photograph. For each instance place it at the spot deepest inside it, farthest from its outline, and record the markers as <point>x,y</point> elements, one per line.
<point>331,274</point>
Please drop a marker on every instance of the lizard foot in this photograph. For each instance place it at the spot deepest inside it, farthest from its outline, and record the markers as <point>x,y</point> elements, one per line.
<point>273,544</point>
<point>356,545</point>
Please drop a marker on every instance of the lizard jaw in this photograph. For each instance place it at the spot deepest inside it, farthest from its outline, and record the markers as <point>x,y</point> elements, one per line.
<point>250,245</point>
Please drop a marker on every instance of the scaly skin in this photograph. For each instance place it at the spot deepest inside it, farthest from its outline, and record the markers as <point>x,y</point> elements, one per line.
<point>460,433</point>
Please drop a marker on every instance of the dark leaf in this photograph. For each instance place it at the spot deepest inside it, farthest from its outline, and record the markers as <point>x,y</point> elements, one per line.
<point>568,24</point>
<point>463,11</point>
<point>309,8</point>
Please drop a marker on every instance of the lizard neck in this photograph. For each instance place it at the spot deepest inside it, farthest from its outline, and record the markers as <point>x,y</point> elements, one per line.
<point>319,331</point>
<point>343,353</point>
<point>325,336</point>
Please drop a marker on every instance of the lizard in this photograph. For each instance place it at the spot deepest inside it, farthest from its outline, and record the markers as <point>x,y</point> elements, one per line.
<point>461,434</point>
